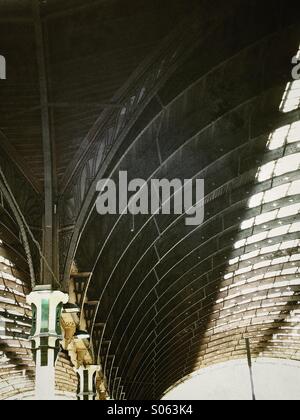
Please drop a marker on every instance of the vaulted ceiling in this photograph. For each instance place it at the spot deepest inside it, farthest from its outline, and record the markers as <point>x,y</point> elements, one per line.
<point>171,89</point>
<point>91,50</point>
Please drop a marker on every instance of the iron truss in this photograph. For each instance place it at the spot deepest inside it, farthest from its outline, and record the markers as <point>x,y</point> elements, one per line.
<point>165,299</point>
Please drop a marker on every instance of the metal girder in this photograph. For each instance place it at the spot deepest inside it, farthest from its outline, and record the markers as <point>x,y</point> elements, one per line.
<point>50,246</point>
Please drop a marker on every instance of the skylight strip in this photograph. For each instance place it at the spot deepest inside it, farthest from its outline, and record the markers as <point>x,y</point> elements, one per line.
<point>264,287</point>
<point>282,166</point>
<point>291,98</point>
<point>266,250</point>
<point>273,233</point>
<point>264,264</point>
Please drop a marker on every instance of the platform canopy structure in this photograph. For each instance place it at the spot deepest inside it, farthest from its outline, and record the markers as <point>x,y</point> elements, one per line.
<point>174,89</point>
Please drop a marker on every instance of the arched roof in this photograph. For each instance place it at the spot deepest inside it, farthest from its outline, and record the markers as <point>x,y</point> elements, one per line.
<point>175,90</point>
<point>16,371</point>
<point>16,361</point>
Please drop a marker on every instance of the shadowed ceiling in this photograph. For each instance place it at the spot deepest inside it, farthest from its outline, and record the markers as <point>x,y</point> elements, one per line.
<point>91,49</point>
<point>175,89</point>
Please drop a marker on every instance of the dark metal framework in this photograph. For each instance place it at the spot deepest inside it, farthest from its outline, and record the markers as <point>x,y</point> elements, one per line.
<point>163,299</point>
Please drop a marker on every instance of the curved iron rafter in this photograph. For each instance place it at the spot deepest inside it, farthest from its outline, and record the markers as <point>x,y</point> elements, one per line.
<point>191,315</point>
<point>169,157</point>
<point>14,207</point>
<point>199,308</point>
<point>86,210</point>
<point>227,188</point>
<point>176,348</point>
<point>125,251</point>
<point>204,170</point>
<point>185,47</point>
<point>204,275</point>
<point>125,308</point>
<point>13,249</point>
<point>181,146</point>
<point>9,346</point>
<point>190,139</point>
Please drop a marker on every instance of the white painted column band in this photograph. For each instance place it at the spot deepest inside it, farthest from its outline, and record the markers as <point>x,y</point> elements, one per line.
<point>45,337</point>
